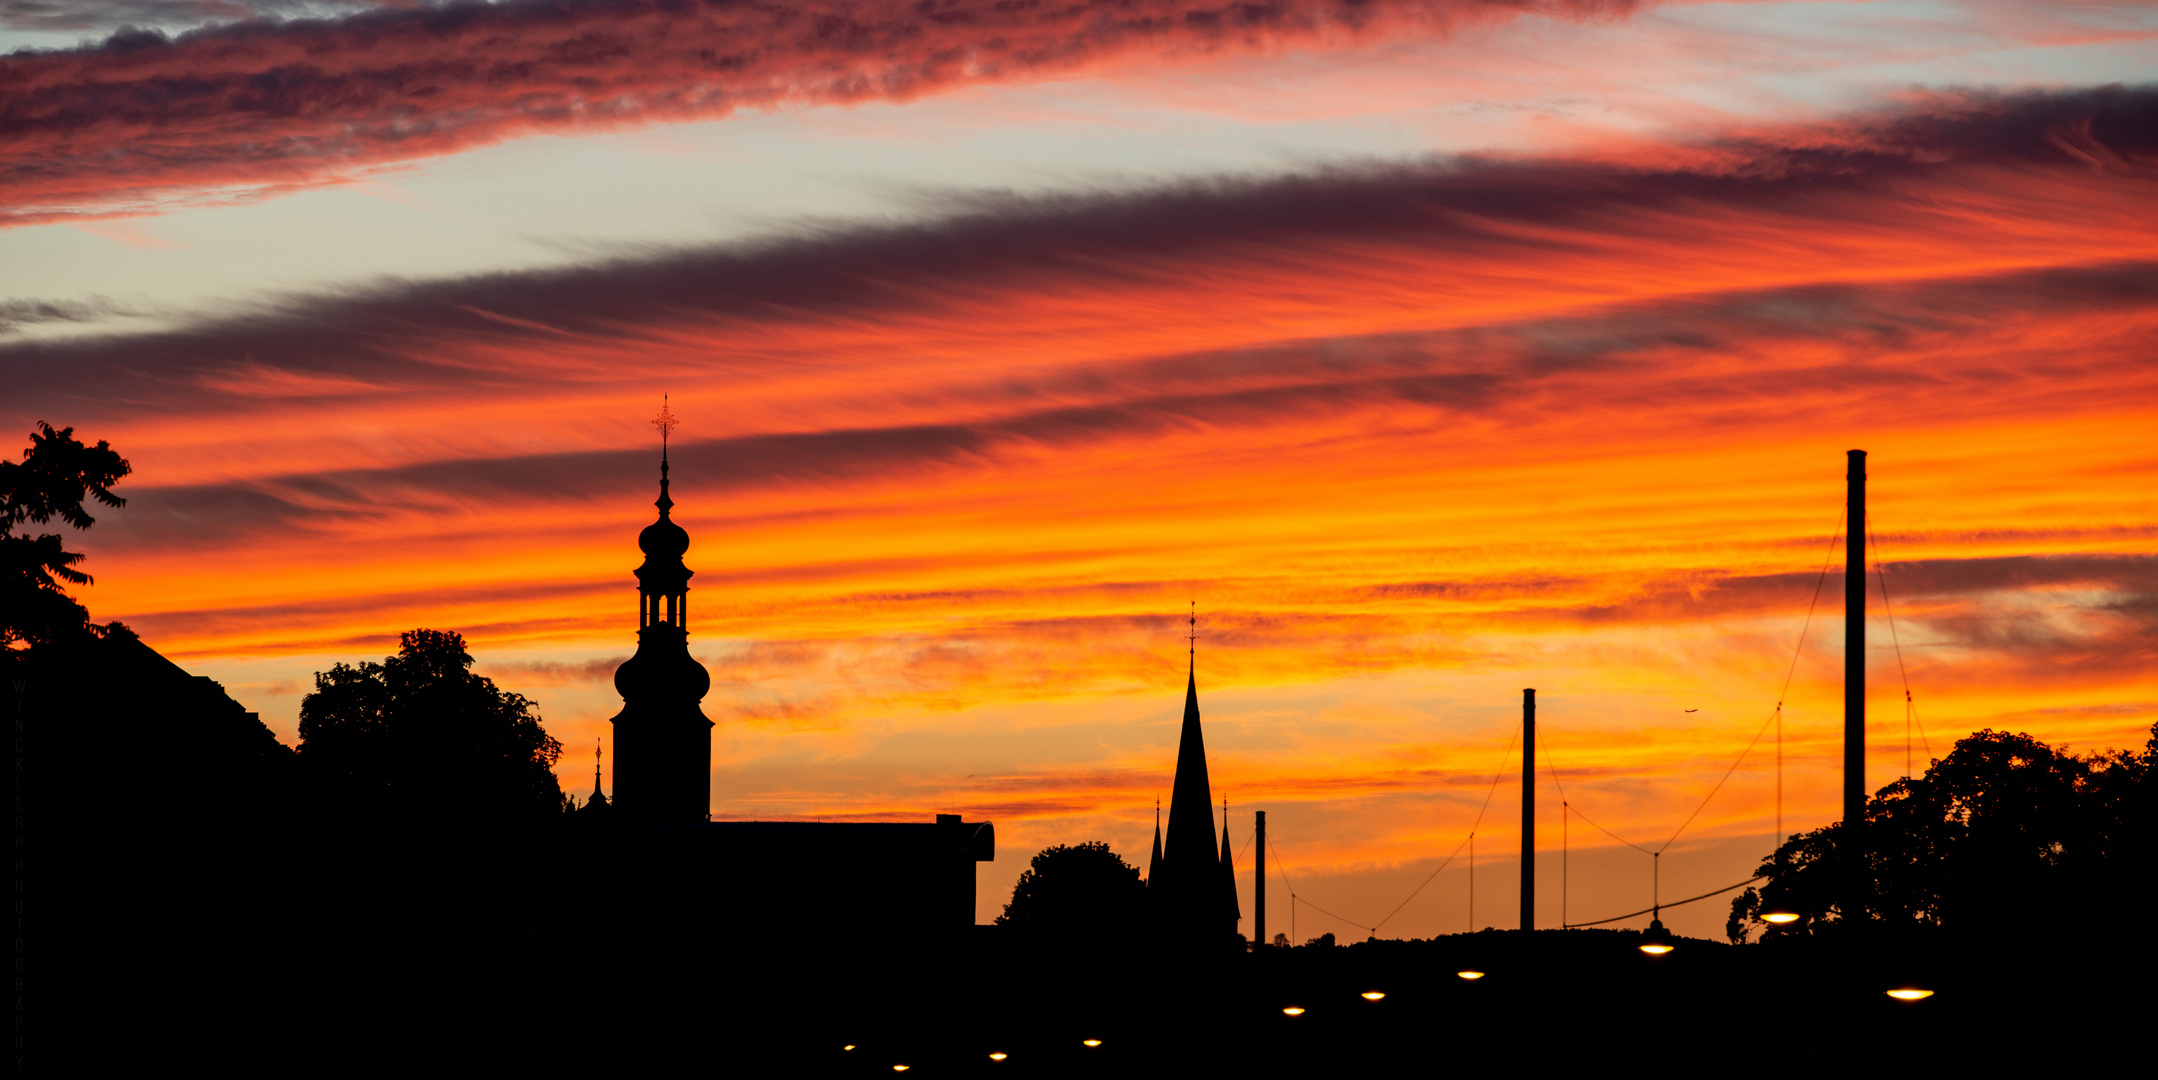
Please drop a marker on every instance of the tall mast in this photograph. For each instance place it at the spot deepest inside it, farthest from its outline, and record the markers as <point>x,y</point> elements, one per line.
<point>1854,687</point>
<point>1528,809</point>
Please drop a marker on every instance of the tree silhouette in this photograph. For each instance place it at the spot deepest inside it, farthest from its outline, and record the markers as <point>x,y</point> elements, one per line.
<point>419,737</point>
<point>1082,892</point>
<point>2002,828</point>
<point>56,474</point>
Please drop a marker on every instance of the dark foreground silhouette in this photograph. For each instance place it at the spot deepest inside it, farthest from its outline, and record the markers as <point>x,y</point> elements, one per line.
<point>225,924</point>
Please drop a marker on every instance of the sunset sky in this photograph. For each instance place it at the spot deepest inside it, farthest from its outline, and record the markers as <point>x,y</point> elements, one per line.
<point>1434,349</point>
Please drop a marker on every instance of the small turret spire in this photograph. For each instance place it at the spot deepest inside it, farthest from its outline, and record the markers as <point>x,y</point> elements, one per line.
<point>1153,868</point>
<point>595,807</point>
<point>1228,862</point>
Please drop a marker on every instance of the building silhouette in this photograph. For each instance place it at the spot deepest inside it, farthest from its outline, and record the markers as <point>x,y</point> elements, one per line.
<point>1191,886</point>
<point>672,866</point>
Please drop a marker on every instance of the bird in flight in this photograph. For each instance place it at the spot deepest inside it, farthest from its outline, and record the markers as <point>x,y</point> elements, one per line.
<point>1693,710</point>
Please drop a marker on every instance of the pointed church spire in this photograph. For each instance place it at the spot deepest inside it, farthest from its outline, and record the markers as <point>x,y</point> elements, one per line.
<point>1193,908</point>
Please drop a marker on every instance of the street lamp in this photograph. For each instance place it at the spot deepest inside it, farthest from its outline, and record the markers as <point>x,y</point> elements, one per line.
<point>1292,1010</point>
<point>1910,993</point>
<point>1470,974</point>
<point>1373,995</point>
<point>1656,940</point>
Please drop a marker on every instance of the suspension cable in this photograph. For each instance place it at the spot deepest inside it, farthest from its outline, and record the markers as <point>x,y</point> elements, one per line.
<point>1551,765</point>
<point>1775,718</point>
<point>1910,707</point>
<point>1674,903</point>
<point>1469,840</point>
<point>1781,695</point>
<point>1288,885</point>
<point>1294,899</point>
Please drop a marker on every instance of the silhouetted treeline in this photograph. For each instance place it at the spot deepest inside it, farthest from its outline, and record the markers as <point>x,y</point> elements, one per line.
<point>190,889</point>
<point>419,738</point>
<point>118,742</point>
<point>55,476</point>
<point>2003,829</point>
<point>1077,894</point>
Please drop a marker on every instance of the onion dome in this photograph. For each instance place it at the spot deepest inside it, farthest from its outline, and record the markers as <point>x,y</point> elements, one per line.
<point>663,539</point>
<point>667,674</point>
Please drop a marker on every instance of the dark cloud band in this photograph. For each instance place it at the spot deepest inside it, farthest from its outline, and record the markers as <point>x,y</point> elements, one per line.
<point>142,119</point>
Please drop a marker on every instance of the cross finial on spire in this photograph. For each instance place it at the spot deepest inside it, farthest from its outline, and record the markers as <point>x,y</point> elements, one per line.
<point>666,422</point>
<point>1191,637</point>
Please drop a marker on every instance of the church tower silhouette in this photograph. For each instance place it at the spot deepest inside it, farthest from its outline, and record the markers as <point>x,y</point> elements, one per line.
<point>1192,889</point>
<point>662,739</point>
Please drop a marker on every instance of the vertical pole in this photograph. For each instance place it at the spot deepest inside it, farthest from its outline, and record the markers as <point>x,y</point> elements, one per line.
<point>1258,883</point>
<point>1854,686</point>
<point>1528,809</point>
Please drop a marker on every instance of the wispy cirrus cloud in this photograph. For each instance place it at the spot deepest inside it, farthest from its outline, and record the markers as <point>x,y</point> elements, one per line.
<point>18,314</point>
<point>142,122</point>
<point>105,16</point>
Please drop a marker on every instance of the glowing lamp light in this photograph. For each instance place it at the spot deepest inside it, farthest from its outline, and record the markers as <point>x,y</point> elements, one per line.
<point>998,1056</point>
<point>1090,1042</point>
<point>901,1068</point>
<point>1778,914</point>
<point>1373,995</point>
<point>1910,993</point>
<point>1472,974</point>
<point>1656,940</point>
<point>1292,1010</point>
<point>849,1046</point>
